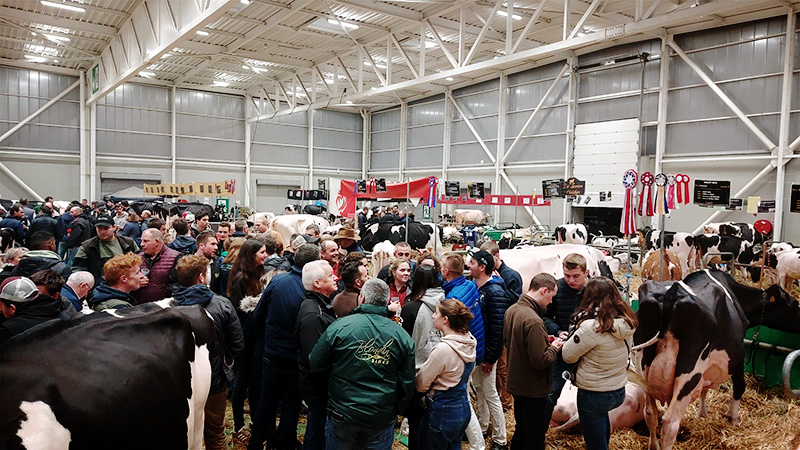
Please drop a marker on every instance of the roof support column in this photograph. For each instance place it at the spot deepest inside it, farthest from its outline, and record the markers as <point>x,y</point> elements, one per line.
<point>401,164</point>
<point>502,107</point>
<point>93,151</point>
<point>663,94</point>
<point>248,147</point>
<point>82,138</point>
<point>786,109</point>
<point>572,103</point>
<point>310,149</point>
<point>174,134</point>
<point>447,139</point>
<point>366,142</point>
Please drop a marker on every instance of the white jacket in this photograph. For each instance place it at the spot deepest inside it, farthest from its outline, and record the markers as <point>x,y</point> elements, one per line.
<point>603,357</point>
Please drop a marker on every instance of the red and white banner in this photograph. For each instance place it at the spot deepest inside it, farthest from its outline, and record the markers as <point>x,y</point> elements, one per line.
<point>347,195</point>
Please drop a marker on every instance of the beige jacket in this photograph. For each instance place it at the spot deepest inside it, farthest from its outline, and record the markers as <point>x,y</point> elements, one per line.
<point>602,357</point>
<point>445,365</point>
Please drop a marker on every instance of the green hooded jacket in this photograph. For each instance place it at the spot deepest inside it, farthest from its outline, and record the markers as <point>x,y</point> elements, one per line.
<point>369,361</point>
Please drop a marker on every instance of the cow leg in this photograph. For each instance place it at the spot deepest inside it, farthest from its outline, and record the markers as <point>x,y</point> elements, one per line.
<point>651,418</point>
<point>702,412</point>
<point>671,422</point>
<point>738,390</point>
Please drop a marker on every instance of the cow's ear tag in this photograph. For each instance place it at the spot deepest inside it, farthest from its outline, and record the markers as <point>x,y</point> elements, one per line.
<point>772,299</point>
<point>576,339</point>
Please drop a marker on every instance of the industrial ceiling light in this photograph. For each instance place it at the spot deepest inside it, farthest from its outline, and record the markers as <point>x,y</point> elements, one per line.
<point>221,83</point>
<point>202,33</point>
<point>66,6</point>
<point>449,78</point>
<point>505,14</point>
<point>147,74</point>
<point>34,58</point>
<point>349,26</point>
<point>377,65</point>
<point>57,38</point>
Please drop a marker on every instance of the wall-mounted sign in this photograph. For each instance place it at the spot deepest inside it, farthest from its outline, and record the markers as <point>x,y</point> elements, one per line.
<point>315,194</point>
<point>294,194</point>
<point>321,185</point>
<point>574,186</point>
<point>452,188</point>
<point>476,190</point>
<point>553,188</point>
<point>766,206</point>
<point>95,79</point>
<point>380,185</point>
<point>736,204</point>
<point>794,202</point>
<point>712,193</point>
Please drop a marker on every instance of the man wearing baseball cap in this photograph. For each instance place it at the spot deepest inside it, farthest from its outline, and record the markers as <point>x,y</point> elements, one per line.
<point>494,303</point>
<point>24,308</point>
<point>93,253</point>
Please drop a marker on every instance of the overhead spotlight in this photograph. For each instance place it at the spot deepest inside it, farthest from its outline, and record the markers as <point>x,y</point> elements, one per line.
<point>202,33</point>
<point>221,83</point>
<point>147,74</point>
<point>505,14</point>
<point>34,58</point>
<point>349,26</point>
<point>57,38</point>
<point>66,6</point>
<point>244,2</point>
<point>449,78</point>
<point>166,55</point>
<point>349,102</point>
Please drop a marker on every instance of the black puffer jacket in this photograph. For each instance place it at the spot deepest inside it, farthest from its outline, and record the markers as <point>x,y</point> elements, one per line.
<point>566,301</point>
<point>44,223</point>
<point>316,313</point>
<point>37,260</point>
<point>37,311</point>
<point>227,328</point>
<point>79,231</point>
<point>494,303</point>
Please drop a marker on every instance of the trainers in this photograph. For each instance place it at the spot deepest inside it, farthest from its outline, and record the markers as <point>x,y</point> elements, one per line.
<point>496,446</point>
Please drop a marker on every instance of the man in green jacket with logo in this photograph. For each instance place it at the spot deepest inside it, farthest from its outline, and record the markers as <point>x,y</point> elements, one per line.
<point>365,349</point>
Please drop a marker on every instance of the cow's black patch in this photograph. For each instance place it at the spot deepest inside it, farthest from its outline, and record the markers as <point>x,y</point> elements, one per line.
<point>705,353</point>
<point>690,385</point>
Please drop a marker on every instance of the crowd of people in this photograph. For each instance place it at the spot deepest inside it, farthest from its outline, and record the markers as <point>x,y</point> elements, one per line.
<point>303,323</point>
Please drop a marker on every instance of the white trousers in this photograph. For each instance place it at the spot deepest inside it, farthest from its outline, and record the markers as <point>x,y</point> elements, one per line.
<point>474,433</point>
<point>488,404</point>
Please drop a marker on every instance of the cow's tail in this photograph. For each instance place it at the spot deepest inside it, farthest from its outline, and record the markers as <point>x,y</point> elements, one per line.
<point>634,373</point>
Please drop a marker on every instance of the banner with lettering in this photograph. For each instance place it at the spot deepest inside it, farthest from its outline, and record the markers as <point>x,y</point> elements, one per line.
<point>220,189</point>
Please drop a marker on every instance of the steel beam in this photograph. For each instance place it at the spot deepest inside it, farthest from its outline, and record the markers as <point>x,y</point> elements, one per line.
<point>92,151</point>
<point>724,97</point>
<point>119,64</point>
<point>439,41</point>
<point>310,149</point>
<point>481,35</point>
<point>572,106</point>
<point>502,113</point>
<point>401,166</point>
<point>536,111</point>
<point>528,26</point>
<point>584,18</point>
<point>472,128</point>
<point>21,183</point>
<point>36,113</point>
<point>515,191</point>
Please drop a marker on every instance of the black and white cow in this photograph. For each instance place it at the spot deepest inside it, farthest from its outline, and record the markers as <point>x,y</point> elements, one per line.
<point>741,250</point>
<point>742,230</point>
<point>421,235</point>
<point>690,339</point>
<point>571,233</point>
<point>679,243</point>
<point>124,379</point>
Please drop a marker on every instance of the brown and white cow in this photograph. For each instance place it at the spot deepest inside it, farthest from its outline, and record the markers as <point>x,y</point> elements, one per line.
<point>471,217</point>
<point>661,265</point>
<point>690,339</point>
<point>290,224</point>
<point>530,261</point>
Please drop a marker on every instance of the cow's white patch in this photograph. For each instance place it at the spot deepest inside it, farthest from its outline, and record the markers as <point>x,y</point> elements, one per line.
<point>86,310</point>
<point>727,294</point>
<point>112,312</point>
<point>40,430</point>
<point>200,370</point>
<point>165,303</point>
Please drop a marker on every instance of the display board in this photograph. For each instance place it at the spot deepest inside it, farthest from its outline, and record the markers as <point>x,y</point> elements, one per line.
<point>712,193</point>
<point>794,203</point>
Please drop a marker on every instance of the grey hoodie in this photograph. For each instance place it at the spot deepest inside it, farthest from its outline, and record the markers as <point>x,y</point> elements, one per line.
<point>424,335</point>
<point>445,366</point>
<point>602,357</point>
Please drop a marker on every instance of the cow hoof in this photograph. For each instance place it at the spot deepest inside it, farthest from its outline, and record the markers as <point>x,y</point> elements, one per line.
<point>734,420</point>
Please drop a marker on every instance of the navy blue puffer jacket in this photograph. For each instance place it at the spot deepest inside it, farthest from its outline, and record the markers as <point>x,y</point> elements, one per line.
<point>494,303</point>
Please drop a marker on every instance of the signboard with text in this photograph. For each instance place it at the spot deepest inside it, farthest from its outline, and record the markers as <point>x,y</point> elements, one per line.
<point>712,193</point>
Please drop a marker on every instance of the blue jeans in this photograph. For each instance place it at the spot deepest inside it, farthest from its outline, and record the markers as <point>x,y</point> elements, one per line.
<point>443,425</point>
<point>341,435</point>
<point>280,382</point>
<point>70,256</point>
<point>593,408</point>
<point>315,426</point>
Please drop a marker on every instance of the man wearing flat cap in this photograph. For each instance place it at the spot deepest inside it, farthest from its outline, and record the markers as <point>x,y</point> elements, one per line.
<point>24,308</point>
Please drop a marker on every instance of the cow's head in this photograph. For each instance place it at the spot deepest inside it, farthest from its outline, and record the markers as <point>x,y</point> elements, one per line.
<point>782,311</point>
<point>729,229</point>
